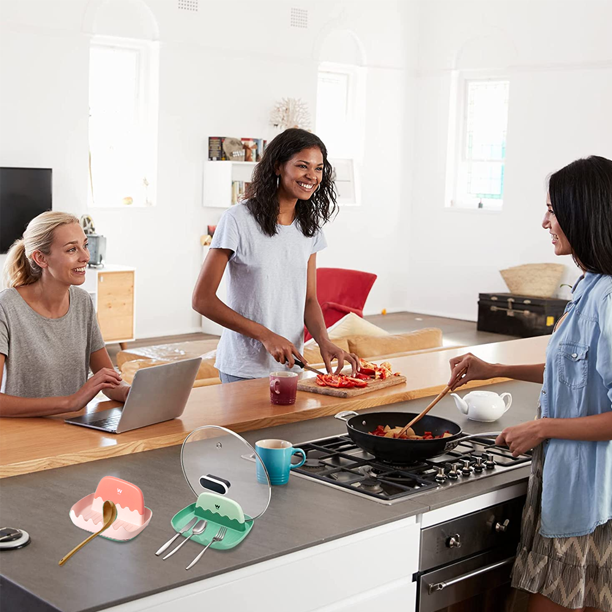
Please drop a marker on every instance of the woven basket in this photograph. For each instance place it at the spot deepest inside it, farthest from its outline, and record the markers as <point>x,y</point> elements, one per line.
<point>539,280</point>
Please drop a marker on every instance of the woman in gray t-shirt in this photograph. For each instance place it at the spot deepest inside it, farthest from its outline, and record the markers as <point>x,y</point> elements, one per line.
<point>49,335</point>
<point>268,245</point>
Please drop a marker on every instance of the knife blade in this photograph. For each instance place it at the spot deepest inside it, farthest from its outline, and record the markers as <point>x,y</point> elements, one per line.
<point>305,366</point>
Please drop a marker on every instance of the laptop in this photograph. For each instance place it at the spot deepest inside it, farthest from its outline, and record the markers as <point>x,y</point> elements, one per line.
<point>158,394</point>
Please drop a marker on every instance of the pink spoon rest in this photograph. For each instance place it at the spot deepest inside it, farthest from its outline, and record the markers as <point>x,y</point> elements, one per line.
<point>132,515</point>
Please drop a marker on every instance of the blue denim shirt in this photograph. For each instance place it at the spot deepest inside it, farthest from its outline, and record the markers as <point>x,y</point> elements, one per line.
<point>577,477</point>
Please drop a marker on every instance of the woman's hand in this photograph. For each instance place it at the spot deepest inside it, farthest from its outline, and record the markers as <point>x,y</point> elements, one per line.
<point>330,351</point>
<point>105,378</point>
<point>521,438</point>
<point>477,369</point>
<point>281,349</point>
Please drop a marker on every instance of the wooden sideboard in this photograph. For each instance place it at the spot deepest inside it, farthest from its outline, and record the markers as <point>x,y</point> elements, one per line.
<point>112,291</point>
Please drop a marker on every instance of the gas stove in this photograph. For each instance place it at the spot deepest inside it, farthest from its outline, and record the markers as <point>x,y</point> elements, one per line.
<point>339,462</point>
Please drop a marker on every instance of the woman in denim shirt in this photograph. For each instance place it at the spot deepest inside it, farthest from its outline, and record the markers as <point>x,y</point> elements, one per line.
<point>565,554</point>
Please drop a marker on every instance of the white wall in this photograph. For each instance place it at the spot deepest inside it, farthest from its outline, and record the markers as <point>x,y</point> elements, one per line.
<point>221,70</point>
<point>558,57</point>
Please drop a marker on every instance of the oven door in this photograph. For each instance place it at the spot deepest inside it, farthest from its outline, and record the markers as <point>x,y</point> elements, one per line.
<point>479,583</point>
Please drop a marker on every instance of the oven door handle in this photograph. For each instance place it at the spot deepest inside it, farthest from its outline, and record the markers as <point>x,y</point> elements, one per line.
<point>440,586</point>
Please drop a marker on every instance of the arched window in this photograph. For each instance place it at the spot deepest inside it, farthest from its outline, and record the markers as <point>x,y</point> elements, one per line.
<point>123,104</point>
<point>340,118</point>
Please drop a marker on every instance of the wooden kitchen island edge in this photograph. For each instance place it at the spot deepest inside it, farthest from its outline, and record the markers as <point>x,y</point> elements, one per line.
<point>36,444</point>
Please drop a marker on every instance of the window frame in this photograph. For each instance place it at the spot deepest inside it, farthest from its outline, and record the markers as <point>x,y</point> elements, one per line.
<point>147,107</point>
<point>356,96</point>
<point>457,198</point>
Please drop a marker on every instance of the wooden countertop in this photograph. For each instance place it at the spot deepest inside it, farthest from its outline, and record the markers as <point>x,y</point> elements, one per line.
<point>35,444</point>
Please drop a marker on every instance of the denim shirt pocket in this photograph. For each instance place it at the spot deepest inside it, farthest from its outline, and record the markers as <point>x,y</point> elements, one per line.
<point>572,364</point>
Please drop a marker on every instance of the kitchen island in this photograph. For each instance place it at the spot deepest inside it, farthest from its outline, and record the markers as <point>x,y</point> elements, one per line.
<point>35,444</point>
<point>309,545</point>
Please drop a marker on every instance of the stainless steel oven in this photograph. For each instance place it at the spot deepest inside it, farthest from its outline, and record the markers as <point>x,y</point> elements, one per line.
<point>465,562</point>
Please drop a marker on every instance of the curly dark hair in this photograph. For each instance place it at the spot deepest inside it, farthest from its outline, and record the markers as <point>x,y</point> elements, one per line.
<point>263,203</point>
<point>581,198</point>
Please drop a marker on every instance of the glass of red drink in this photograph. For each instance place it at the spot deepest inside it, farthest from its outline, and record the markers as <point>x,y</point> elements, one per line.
<point>283,387</point>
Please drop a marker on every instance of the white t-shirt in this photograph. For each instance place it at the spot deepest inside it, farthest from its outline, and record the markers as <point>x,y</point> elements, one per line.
<point>267,284</point>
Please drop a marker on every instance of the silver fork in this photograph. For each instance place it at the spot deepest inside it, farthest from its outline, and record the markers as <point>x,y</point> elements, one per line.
<point>220,535</point>
<point>197,530</point>
<point>185,528</point>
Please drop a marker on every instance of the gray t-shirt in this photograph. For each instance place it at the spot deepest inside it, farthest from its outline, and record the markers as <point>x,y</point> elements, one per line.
<point>47,357</point>
<point>267,283</point>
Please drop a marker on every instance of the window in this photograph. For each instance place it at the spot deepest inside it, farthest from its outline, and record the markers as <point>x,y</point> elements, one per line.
<point>122,122</point>
<point>340,123</point>
<point>481,152</point>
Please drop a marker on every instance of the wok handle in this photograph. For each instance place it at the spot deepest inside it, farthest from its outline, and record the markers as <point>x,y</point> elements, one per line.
<point>344,415</point>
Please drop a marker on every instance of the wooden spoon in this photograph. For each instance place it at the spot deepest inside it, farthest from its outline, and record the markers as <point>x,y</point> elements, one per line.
<point>435,401</point>
<point>109,514</point>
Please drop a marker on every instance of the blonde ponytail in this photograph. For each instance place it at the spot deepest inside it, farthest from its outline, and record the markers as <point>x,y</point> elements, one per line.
<point>20,268</point>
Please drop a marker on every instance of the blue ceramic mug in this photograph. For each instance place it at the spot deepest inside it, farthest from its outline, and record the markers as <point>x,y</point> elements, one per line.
<point>276,456</point>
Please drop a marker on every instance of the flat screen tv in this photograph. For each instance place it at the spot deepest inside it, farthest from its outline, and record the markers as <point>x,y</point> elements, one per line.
<point>24,194</point>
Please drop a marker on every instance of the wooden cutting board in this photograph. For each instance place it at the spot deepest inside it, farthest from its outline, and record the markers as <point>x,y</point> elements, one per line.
<point>310,385</point>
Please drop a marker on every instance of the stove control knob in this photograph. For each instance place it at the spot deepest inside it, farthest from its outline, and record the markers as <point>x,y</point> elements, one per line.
<point>502,527</point>
<point>441,475</point>
<point>478,466</point>
<point>453,474</point>
<point>489,461</point>
<point>466,470</point>
<point>454,541</point>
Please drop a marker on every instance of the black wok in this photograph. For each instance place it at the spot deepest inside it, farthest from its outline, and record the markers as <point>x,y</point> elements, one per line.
<point>403,452</point>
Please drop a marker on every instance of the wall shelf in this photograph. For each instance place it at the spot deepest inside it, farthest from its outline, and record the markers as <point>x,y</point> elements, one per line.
<point>217,178</point>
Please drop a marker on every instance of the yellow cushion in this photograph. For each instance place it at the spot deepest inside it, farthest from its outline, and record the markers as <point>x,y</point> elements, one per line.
<point>371,346</point>
<point>354,325</point>
<point>206,370</point>
<point>169,352</point>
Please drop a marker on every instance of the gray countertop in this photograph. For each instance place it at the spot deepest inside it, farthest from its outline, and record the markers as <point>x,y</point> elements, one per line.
<point>301,514</point>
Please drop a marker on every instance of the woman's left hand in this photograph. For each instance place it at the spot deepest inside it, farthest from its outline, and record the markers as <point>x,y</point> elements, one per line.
<point>330,351</point>
<point>521,438</point>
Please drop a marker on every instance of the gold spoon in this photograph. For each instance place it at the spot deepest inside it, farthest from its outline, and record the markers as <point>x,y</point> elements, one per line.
<point>109,514</point>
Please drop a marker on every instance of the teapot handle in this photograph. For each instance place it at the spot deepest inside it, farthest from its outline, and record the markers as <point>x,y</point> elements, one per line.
<point>509,402</point>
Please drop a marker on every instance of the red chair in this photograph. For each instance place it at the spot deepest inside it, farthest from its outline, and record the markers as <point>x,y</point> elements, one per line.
<point>341,291</point>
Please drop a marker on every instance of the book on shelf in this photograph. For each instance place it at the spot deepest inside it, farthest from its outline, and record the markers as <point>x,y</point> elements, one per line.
<point>223,148</point>
<point>239,191</point>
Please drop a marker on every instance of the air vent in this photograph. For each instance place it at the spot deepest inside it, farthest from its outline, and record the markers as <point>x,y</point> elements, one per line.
<point>299,18</point>
<point>188,5</point>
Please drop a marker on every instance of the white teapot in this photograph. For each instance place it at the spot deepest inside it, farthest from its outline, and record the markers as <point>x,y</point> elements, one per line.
<point>484,406</point>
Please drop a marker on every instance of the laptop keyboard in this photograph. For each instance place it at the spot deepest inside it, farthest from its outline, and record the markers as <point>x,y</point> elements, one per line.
<point>108,423</point>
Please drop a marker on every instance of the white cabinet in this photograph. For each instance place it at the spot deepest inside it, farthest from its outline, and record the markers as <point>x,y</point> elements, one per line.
<point>371,570</point>
<point>217,179</point>
<point>112,290</point>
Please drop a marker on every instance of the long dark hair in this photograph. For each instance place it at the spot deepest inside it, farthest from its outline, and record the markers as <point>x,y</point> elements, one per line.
<point>263,203</point>
<point>581,197</point>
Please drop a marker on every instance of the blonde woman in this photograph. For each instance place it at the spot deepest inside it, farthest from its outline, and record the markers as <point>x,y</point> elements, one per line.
<point>49,335</point>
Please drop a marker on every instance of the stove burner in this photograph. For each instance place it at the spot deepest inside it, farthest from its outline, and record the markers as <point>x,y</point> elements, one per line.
<point>370,485</point>
<point>313,465</point>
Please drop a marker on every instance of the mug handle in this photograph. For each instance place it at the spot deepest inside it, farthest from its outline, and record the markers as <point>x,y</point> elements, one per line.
<point>301,463</point>
<point>275,387</point>
<point>509,402</point>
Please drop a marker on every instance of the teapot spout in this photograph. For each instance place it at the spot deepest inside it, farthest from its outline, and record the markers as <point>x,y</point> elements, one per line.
<point>461,403</point>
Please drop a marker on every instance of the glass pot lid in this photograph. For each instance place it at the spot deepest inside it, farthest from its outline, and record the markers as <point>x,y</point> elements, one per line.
<point>215,459</point>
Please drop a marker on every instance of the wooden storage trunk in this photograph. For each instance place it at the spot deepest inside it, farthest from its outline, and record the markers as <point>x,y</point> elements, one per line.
<point>518,315</point>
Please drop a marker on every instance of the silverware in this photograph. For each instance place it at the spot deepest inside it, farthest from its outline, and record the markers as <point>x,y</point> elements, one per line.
<point>305,366</point>
<point>197,530</point>
<point>220,535</point>
<point>185,528</point>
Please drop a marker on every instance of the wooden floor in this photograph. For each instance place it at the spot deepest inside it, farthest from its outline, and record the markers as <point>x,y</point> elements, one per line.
<point>455,331</point>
